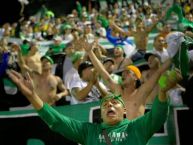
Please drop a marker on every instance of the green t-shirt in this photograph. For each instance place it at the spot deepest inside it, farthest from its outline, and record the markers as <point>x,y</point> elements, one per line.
<point>25,49</point>
<point>57,48</point>
<point>135,132</point>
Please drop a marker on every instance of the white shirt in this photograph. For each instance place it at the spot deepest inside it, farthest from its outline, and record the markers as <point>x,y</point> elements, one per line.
<point>163,54</point>
<point>67,65</point>
<point>73,80</point>
<point>102,32</point>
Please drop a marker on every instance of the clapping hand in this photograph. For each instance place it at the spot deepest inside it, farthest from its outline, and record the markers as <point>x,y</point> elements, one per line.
<point>90,46</point>
<point>93,77</point>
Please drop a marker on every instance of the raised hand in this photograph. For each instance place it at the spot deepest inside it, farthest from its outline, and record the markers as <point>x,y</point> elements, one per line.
<point>24,83</point>
<point>89,46</point>
<point>111,23</point>
<point>93,77</point>
<point>169,80</point>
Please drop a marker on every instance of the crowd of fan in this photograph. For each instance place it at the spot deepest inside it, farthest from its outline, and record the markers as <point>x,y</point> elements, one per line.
<point>71,71</point>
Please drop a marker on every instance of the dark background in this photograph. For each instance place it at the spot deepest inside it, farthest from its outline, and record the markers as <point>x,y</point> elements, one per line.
<point>9,9</point>
<point>25,128</point>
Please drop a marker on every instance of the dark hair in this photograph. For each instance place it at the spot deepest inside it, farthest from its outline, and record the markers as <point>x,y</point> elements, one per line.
<point>25,41</point>
<point>83,66</point>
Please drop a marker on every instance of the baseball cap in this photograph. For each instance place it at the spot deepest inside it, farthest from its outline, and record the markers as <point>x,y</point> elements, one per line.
<point>84,65</point>
<point>135,70</point>
<point>132,68</point>
<point>48,58</point>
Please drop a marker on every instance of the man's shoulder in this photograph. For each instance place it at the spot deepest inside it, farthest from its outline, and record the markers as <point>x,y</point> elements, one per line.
<point>72,73</point>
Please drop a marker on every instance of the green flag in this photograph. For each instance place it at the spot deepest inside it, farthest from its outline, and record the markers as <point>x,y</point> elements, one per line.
<point>176,8</point>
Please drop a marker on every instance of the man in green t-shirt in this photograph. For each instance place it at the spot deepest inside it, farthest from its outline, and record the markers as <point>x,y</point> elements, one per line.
<point>57,47</point>
<point>119,130</point>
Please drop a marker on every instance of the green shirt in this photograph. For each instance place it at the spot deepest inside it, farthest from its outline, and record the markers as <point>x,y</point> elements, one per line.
<point>57,48</point>
<point>135,132</point>
<point>25,49</point>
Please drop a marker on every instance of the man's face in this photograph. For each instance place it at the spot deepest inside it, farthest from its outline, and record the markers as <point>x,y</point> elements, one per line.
<point>167,28</point>
<point>87,73</point>
<point>46,65</point>
<point>34,48</point>
<point>118,52</point>
<point>159,44</point>
<point>139,25</point>
<point>69,50</point>
<point>128,77</point>
<point>87,29</point>
<point>112,111</point>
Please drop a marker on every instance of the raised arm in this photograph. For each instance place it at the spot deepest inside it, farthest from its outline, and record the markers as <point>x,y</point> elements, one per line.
<point>120,30</point>
<point>100,68</point>
<point>25,84</point>
<point>154,119</point>
<point>22,62</point>
<point>151,27</point>
<point>155,22</point>
<point>148,86</point>
<point>101,87</point>
<point>70,128</point>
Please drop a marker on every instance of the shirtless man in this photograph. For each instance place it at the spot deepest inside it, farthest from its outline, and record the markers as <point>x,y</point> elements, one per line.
<point>39,68</point>
<point>140,35</point>
<point>154,63</point>
<point>46,84</point>
<point>119,59</point>
<point>133,96</point>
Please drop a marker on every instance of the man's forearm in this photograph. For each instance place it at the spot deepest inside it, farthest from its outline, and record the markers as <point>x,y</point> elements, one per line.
<point>83,93</point>
<point>100,68</point>
<point>102,90</point>
<point>35,100</point>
